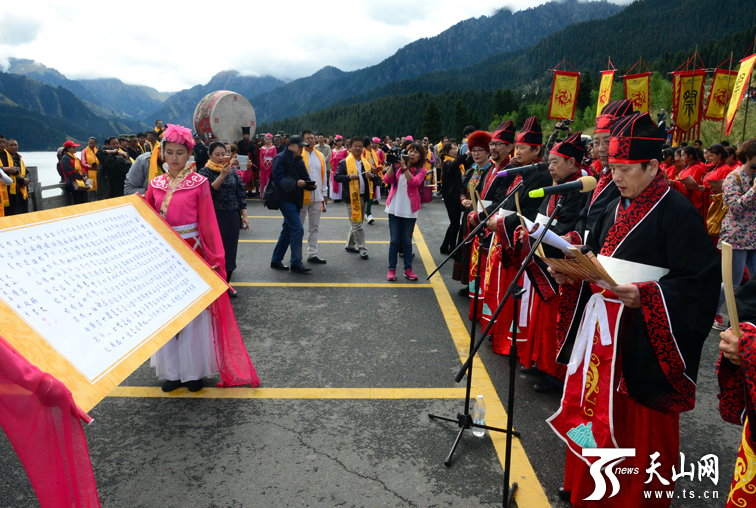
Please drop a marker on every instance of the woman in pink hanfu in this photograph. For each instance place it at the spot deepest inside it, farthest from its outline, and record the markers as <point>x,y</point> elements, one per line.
<point>338,154</point>
<point>267,152</point>
<point>211,342</point>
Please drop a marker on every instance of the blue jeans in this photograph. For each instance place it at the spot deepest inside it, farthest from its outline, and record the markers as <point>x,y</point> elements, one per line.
<point>401,230</point>
<point>292,233</point>
<point>740,259</point>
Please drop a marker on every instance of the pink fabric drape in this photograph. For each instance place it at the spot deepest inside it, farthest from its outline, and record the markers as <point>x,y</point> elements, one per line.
<point>42,422</point>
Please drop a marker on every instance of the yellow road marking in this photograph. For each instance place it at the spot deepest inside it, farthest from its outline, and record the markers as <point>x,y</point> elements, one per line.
<point>329,285</point>
<point>529,491</point>
<point>321,218</point>
<point>292,393</point>
<point>319,241</point>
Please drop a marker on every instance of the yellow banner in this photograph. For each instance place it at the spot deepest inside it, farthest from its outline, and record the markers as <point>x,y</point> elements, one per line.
<point>741,85</point>
<point>688,93</point>
<point>638,91</point>
<point>605,91</point>
<point>721,90</point>
<point>564,95</point>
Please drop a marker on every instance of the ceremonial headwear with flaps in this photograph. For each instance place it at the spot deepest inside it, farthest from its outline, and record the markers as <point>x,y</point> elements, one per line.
<point>610,114</point>
<point>573,146</point>
<point>479,139</point>
<point>635,139</point>
<point>505,132</point>
<point>531,133</point>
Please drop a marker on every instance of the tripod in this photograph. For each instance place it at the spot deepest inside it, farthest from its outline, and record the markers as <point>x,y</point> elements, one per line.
<point>464,420</point>
<point>515,291</point>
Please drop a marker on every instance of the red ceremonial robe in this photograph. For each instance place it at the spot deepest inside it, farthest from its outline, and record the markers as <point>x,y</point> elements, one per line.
<point>632,371</point>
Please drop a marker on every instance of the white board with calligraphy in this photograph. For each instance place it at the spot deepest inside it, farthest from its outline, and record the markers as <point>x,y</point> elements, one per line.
<point>89,292</point>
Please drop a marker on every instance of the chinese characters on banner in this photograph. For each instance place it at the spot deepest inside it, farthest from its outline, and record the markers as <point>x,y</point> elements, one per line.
<point>605,91</point>
<point>89,285</point>
<point>564,95</point>
<point>687,90</point>
<point>721,90</point>
<point>740,87</point>
<point>638,91</point>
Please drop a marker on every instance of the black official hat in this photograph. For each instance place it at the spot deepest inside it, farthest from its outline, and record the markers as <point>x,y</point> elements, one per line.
<point>505,132</point>
<point>610,114</point>
<point>245,130</point>
<point>573,146</point>
<point>635,139</point>
<point>531,133</point>
<point>297,140</point>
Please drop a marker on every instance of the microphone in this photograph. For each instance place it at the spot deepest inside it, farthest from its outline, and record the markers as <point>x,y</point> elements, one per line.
<point>540,166</point>
<point>582,184</point>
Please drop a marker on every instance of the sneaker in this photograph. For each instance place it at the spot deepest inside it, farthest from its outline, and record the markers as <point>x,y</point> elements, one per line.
<point>391,274</point>
<point>370,219</point>
<point>409,274</point>
<point>720,323</point>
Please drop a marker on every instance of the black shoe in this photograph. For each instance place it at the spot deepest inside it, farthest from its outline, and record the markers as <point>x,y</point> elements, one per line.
<point>352,250</point>
<point>463,292</point>
<point>445,251</point>
<point>316,260</point>
<point>169,385</point>
<point>300,268</point>
<point>231,294</point>
<point>194,386</point>
<point>545,386</point>
<point>376,202</point>
<point>278,265</point>
<point>563,494</point>
<point>364,255</point>
<point>489,338</point>
<point>532,371</point>
<point>337,201</point>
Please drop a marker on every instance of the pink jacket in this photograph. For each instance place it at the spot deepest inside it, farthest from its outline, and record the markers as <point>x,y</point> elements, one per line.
<point>413,187</point>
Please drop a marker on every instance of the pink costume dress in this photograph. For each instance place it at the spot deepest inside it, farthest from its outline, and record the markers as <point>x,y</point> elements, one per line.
<point>336,157</point>
<point>266,164</point>
<point>211,342</point>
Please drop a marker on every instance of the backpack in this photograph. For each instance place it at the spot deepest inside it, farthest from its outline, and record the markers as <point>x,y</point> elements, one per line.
<point>272,196</point>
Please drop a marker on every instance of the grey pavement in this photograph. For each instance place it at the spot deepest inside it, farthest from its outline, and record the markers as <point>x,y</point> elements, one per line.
<point>322,452</point>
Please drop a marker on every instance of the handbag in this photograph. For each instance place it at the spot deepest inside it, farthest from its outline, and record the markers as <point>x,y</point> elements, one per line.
<point>716,212</point>
<point>272,196</point>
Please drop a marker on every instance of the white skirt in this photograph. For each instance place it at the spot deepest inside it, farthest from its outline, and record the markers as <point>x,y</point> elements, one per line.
<point>190,355</point>
<point>335,195</point>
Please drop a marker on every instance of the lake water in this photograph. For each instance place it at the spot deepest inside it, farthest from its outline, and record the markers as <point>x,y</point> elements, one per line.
<point>46,163</point>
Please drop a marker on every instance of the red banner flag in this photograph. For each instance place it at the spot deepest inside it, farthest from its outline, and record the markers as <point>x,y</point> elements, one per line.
<point>741,85</point>
<point>605,91</point>
<point>687,91</point>
<point>564,95</point>
<point>721,91</point>
<point>638,91</point>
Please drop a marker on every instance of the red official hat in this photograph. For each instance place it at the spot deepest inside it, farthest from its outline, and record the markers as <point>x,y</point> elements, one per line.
<point>574,146</point>
<point>635,139</point>
<point>69,144</point>
<point>531,133</point>
<point>610,114</point>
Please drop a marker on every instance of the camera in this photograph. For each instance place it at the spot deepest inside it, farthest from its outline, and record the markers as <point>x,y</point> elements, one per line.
<point>565,125</point>
<point>392,156</point>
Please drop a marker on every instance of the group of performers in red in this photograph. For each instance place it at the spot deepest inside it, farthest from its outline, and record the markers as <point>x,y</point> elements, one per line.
<point>626,356</point>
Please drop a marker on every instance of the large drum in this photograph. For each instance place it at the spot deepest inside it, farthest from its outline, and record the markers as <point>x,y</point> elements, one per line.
<point>221,115</point>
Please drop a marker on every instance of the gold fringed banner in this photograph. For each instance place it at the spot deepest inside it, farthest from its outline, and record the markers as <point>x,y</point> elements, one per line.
<point>687,92</point>
<point>721,90</point>
<point>564,95</point>
<point>605,90</point>
<point>638,91</point>
<point>741,85</point>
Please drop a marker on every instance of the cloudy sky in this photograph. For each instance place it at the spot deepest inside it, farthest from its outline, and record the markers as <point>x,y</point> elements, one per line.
<point>168,47</point>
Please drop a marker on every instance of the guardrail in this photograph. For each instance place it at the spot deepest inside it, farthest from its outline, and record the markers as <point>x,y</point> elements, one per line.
<point>37,201</point>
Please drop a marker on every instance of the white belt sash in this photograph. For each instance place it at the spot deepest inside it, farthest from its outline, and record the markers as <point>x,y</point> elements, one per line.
<point>188,230</point>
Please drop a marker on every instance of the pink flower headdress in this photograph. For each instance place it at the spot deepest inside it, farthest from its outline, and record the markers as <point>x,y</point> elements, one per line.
<point>410,138</point>
<point>178,134</point>
<point>269,135</point>
<point>338,136</point>
<point>376,140</point>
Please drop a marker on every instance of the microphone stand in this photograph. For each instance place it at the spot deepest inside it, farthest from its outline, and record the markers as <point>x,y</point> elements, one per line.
<point>516,292</point>
<point>464,420</point>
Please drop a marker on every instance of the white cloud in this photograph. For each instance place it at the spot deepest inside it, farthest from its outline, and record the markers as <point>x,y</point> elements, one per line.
<point>171,48</point>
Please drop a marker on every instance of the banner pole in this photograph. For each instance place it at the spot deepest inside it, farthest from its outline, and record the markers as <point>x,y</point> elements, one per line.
<point>727,98</point>
<point>748,99</point>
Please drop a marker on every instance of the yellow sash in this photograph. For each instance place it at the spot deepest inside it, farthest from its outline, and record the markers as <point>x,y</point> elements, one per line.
<point>308,194</point>
<point>90,158</point>
<point>22,174</point>
<point>79,169</point>
<point>354,186</point>
<point>3,187</point>
<point>155,169</point>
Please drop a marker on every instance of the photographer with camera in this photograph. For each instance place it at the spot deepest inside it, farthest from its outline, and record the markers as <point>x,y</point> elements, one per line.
<point>403,205</point>
<point>563,125</point>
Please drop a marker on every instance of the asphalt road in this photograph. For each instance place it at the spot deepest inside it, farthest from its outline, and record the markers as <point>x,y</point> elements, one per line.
<point>350,366</point>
